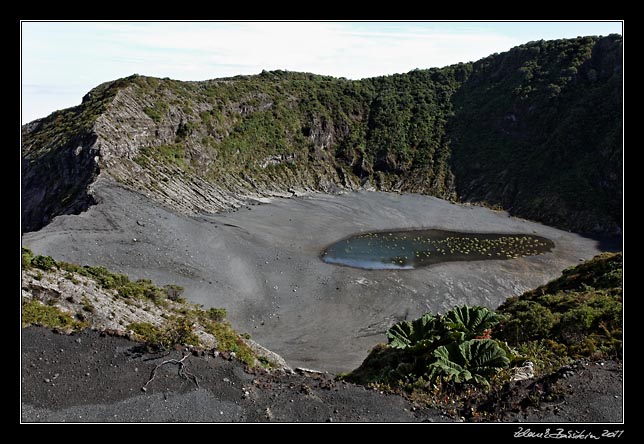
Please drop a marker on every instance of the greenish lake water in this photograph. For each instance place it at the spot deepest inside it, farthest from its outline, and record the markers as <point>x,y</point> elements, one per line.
<point>419,248</point>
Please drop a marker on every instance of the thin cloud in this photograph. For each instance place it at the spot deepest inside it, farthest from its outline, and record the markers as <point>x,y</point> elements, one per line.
<point>76,56</point>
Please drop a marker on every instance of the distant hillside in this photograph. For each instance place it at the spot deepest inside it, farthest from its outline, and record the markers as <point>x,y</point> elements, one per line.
<point>536,130</point>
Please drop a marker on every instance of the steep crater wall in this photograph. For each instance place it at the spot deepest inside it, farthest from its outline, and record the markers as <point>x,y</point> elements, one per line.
<point>536,131</point>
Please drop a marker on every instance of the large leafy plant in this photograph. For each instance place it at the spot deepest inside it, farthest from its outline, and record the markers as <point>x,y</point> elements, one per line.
<point>420,333</point>
<point>476,359</point>
<point>459,324</point>
<point>471,322</point>
<point>455,346</point>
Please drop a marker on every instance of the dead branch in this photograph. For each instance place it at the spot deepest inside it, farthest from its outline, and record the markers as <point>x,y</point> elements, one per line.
<point>182,371</point>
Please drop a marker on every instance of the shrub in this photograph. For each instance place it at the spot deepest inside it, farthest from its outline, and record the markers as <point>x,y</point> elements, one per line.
<point>146,331</point>
<point>104,277</point>
<point>45,263</point>
<point>178,331</point>
<point>36,313</point>
<point>581,311</point>
<point>529,320</point>
<point>216,314</point>
<point>173,292</point>
<point>27,257</point>
<point>546,355</point>
<point>228,340</point>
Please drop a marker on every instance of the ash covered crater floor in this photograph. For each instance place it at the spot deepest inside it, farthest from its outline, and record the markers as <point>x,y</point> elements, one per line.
<point>262,263</point>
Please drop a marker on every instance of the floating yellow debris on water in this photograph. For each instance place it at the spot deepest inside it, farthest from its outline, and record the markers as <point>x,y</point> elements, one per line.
<point>413,249</point>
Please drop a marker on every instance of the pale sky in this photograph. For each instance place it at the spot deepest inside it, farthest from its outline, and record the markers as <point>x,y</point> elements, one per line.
<point>61,61</point>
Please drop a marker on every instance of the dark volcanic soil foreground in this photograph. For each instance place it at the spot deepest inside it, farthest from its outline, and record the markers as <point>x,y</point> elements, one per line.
<point>86,377</point>
<point>93,377</point>
<point>584,392</point>
<point>261,263</point>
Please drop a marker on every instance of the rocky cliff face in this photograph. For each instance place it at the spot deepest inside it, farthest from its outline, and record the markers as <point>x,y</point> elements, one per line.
<point>60,159</point>
<point>464,131</point>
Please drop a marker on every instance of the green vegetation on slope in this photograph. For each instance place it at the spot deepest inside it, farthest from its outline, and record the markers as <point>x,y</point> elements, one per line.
<point>377,129</point>
<point>437,356</point>
<point>577,315</point>
<point>36,313</point>
<point>177,330</point>
<point>180,316</point>
<point>456,347</point>
<point>536,130</point>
